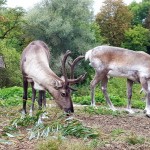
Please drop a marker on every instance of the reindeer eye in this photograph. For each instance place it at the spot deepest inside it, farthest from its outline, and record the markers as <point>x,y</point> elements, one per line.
<point>63,94</point>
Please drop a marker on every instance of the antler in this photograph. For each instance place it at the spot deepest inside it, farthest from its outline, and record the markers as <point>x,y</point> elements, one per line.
<point>72,65</point>
<point>79,79</point>
<point>68,52</point>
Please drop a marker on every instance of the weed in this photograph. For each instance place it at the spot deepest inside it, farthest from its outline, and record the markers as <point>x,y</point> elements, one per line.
<point>117,132</point>
<point>134,139</point>
<point>50,144</point>
<point>57,143</point>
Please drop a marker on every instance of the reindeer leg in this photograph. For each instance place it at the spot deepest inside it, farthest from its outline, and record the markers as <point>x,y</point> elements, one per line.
<point>40,99</point>
<point>129,95</point>
<point>40,105</point>
<point>104,90</point>
<point>44,98</point>
<point>92,87</point>
<point>33,98</point>
<point>25,89</point>
<point>44,115</point>
<point>145,86</point>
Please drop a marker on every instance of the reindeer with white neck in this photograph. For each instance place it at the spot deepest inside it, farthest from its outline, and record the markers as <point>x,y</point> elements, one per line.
<point>35,69</point>
<point>119,62</point>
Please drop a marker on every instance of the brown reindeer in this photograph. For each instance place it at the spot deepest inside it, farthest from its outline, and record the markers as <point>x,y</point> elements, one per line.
<point>35,69</point>
<point>119,62</point>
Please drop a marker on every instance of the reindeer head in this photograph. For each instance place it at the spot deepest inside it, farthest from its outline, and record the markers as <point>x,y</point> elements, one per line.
<point>63,90</point>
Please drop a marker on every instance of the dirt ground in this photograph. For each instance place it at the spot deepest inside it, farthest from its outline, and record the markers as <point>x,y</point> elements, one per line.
<point>136,125</point>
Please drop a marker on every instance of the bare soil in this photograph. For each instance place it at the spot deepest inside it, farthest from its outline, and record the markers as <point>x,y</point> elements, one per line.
<point>137,125</point>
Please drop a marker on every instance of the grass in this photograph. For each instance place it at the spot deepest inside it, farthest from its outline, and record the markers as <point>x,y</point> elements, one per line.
<point>61,132</point>
<point>61,144</point>
<point>116,90</point>
<point>102,111</point>
<point>60,124</point>
<point>117,93</point>
<point>135,139</point>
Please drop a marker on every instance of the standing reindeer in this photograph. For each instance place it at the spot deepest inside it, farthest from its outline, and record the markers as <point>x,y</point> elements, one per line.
<point>119,62</point>
<point>35,69</point>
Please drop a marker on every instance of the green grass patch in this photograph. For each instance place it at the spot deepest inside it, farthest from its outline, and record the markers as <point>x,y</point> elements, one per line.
<point>135,139</point>
<point>102,111</point>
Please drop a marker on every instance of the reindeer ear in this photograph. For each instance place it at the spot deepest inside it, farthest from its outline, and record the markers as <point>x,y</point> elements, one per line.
<point>63,78</point>
<point>57,84</point>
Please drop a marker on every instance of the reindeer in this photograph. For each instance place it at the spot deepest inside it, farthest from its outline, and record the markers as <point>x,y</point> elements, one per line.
<point>119,62</point>
<point>35,70</point>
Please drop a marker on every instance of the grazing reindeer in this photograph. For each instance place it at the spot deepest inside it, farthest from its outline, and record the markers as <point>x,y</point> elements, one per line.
<point>119,62</point>
<point>35,69</point>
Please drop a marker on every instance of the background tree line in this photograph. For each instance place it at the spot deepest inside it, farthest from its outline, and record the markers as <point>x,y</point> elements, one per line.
<point>70,24</point>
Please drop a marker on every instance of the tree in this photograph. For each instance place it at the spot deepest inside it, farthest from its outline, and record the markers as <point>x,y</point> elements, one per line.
<point>10,75</point>
<point>114,18</point>
<point>137,39</point>
<point>62,27</point>
<point>140,11</point>
<point>147,21</point>
<point>11,26</point>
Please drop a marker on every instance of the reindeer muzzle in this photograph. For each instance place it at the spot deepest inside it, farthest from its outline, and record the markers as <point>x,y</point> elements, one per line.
<point>69,110</point>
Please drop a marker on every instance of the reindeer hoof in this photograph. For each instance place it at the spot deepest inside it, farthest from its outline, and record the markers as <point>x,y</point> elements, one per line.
<point>147,115</point>
<point>93,105</point>
<point>144,111</point>
<point>130,111</point>
<point>113,109</point>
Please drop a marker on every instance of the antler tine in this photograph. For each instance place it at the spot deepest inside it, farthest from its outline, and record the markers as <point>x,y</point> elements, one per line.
<point>68,52</point>
<point>79,79</point>
<point>72,66</point>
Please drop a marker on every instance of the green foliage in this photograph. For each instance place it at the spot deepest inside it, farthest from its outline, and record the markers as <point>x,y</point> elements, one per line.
<point>12,92</point>
<point>20,122</point>
<point>138,104</point>
<point>62,27</point>
<point>11,28</point>
<point>99,39</point>
<point>137,38</point>
<point>2,2</point>
<point>69,126</point>
<point>10,75</point>
<point>116,91</point>
<point>114,18</point>
<point>12,96</point>
<point>140,11</point>
<point>59,125</point>
<point>75,128</point>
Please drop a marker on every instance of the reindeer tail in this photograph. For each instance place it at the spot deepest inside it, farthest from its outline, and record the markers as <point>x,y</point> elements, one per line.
<point>88,55</point>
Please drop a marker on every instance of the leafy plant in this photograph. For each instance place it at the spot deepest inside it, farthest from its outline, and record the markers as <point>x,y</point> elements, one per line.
<point>75,128</point>
<point>69,126</point>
